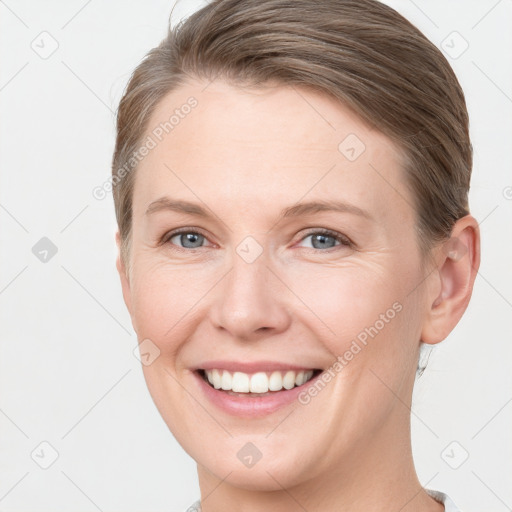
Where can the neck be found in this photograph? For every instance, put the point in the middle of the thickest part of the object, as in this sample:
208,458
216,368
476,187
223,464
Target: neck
374,475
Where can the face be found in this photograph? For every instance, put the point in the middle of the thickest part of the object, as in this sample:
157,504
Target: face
273,241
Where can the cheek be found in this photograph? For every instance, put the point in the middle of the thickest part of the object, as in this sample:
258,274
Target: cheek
350,298
166,301
165,297
364,315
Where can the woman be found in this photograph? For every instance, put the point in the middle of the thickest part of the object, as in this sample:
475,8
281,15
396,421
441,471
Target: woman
291,182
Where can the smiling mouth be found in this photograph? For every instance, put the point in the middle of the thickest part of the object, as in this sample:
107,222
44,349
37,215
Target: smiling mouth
256,384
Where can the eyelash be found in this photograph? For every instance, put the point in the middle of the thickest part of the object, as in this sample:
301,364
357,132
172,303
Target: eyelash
342,239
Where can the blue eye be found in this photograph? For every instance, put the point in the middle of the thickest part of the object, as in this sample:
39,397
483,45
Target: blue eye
326,239
187,239
321,239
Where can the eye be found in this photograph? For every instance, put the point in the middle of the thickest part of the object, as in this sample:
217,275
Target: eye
327,239
185,239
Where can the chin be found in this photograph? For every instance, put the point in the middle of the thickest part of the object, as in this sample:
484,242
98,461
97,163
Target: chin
280,464
261,477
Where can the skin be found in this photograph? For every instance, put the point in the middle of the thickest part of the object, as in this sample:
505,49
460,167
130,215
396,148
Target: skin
245,155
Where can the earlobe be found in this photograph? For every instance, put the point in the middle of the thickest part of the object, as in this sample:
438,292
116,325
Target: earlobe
458,263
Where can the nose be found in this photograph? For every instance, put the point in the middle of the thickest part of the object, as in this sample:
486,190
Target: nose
250,302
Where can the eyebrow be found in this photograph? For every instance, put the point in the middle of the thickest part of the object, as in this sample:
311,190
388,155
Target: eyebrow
312,207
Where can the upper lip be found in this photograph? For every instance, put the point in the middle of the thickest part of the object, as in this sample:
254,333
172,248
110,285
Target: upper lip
251,367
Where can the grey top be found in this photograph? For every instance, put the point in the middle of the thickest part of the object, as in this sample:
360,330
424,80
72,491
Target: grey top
449,506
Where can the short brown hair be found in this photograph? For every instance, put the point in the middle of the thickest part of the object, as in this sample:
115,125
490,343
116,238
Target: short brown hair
361,52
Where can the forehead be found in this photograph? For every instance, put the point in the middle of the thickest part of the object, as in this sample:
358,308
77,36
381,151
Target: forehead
276,144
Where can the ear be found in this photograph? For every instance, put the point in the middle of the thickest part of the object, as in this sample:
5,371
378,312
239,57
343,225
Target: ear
124,275
458,260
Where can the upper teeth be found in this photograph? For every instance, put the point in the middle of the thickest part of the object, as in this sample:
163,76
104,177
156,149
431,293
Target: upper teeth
260,382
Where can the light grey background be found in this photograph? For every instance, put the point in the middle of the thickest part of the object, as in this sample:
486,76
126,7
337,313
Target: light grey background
68,376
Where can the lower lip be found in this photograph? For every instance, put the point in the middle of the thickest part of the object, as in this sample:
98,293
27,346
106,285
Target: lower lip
251,406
